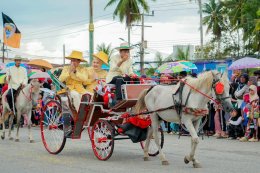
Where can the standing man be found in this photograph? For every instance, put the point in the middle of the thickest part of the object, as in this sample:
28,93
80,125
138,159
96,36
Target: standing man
16,77
74,76
120,68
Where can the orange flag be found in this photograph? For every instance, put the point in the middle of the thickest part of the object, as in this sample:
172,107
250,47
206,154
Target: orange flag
12,35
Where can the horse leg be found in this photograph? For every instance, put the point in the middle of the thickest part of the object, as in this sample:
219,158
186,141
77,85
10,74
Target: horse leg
147,143
11,121
29,114
18,125
3,124
155,124
194,142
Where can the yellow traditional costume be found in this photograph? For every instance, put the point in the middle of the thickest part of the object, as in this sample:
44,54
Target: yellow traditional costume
74,80
91,83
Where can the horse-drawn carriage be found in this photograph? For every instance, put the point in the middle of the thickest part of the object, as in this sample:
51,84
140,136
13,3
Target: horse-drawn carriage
104,124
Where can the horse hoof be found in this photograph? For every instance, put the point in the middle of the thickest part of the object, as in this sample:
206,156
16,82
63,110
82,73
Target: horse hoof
186,161
146,159
11,138
165,162
17,140
197,165
2,137
32,141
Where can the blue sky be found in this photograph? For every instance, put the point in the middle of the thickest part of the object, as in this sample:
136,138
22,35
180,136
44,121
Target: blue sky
48,24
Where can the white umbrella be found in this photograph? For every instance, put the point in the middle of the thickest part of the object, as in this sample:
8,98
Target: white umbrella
243,63
40,75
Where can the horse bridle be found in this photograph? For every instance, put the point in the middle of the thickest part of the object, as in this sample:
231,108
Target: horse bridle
218,96
30,96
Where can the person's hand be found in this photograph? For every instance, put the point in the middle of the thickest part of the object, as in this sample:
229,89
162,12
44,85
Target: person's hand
72,68
9,77
22,85
125,58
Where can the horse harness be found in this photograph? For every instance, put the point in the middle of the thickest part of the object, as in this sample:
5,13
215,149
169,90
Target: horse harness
180,107
29,98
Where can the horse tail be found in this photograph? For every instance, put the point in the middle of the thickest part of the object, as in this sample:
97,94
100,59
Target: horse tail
140,104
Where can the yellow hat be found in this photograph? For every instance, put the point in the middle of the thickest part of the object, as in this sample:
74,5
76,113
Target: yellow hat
76,55
102,56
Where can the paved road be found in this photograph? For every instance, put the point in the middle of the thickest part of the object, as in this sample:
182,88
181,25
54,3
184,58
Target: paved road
216,156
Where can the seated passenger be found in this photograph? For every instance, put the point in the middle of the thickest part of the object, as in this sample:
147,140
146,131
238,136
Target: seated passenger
95,72
74,76
120,69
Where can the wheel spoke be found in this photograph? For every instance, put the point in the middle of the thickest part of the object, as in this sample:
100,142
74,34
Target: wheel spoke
52,133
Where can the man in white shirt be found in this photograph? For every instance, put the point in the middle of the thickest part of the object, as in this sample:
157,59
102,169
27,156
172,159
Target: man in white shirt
120,69
16,77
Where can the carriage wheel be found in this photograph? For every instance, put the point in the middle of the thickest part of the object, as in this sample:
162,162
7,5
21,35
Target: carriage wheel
102,139
52,127
153,149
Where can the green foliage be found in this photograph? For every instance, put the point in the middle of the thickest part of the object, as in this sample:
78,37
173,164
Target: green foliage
183,55
238,21
105,48
127,9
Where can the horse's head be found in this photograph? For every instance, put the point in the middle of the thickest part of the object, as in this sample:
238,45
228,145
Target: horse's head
221,88
35,89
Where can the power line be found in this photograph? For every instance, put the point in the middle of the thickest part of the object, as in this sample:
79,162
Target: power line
177,9
54,36
61,26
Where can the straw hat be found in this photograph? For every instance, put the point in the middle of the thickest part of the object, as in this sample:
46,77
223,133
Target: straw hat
17,57
76,55
102,56
124,46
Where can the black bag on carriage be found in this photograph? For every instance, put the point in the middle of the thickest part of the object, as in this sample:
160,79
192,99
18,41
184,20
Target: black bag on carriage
136,134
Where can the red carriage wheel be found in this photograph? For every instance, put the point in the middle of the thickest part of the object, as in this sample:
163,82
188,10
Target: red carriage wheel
102,139
52,127
153,149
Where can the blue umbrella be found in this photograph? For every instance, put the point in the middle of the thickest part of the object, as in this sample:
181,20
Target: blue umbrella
10,64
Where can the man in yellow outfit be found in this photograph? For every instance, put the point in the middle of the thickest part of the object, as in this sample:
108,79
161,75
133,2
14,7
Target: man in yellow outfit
95,72
74,76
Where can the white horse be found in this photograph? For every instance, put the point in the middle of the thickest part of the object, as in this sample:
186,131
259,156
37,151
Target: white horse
162,97
27,97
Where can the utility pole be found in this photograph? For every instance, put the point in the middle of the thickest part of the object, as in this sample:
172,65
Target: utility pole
142,44
201,31
63,54
91,31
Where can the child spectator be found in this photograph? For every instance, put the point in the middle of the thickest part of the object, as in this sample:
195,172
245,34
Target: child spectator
38,111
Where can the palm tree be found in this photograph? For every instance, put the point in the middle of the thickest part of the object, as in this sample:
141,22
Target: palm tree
183,55
129,10
214,19
105,48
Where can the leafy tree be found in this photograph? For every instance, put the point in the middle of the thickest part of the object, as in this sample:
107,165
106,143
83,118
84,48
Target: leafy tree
105,48
214,19
128,10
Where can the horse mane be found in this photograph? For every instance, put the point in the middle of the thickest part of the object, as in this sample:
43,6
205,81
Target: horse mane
204,80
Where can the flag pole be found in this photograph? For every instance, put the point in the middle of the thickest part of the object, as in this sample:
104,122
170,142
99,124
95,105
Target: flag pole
3,57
